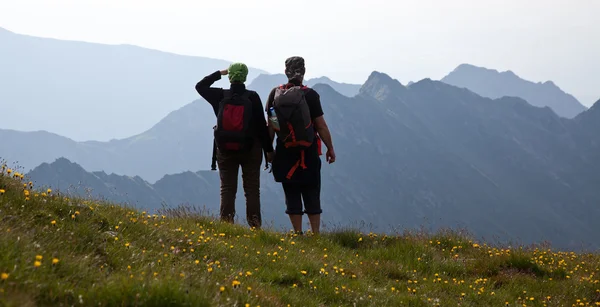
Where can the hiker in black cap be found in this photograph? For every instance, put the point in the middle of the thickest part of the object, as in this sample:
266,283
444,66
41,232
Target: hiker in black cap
296,116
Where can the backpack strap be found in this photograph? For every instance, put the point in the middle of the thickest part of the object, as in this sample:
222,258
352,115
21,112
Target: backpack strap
246,94
299,163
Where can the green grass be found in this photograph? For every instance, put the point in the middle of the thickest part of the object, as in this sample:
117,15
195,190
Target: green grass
109,255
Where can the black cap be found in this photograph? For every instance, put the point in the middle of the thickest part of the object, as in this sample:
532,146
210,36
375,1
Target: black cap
294,68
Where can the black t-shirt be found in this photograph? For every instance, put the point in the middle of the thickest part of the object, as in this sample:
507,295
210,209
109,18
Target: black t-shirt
285,159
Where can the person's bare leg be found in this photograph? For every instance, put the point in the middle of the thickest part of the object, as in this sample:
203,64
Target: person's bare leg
315,223
296,220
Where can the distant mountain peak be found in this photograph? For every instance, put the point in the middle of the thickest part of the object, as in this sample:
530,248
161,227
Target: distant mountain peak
322,78
472,68
264,83
380,86
326,89
346,89
594,110
494,84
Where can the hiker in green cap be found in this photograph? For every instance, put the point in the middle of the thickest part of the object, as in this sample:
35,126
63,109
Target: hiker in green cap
241,136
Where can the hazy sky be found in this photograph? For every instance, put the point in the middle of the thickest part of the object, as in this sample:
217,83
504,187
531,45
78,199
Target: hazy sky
345,40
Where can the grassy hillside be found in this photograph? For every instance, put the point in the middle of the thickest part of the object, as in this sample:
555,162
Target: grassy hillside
56,251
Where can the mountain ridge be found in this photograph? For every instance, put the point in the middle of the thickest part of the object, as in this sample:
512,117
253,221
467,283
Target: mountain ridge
81,84
495,84
264,83
442,154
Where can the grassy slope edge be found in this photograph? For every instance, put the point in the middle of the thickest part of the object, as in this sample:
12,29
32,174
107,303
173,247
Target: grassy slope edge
56,251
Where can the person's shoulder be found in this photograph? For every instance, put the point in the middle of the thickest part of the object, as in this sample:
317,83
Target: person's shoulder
312,94
252,94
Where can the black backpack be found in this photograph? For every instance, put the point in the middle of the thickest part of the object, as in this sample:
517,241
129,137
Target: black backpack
232,132
296,131
295,125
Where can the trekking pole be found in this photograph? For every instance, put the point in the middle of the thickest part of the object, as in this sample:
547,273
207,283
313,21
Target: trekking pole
266,161
213,166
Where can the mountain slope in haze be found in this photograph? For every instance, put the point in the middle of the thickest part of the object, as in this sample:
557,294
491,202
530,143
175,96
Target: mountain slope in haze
87,91
436,155
264,83
346,89
493,84
201,189
180,142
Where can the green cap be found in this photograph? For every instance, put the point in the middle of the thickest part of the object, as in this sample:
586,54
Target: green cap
238,72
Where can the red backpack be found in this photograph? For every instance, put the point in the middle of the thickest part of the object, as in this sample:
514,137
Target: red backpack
233,122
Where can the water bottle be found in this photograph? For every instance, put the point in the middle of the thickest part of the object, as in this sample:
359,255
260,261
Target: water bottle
273,119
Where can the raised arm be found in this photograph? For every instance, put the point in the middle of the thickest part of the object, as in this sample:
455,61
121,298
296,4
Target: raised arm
212,94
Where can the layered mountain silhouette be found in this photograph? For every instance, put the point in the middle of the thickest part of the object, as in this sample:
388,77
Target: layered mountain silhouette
180,142
435,155
198,189
493,84
87,91
264,83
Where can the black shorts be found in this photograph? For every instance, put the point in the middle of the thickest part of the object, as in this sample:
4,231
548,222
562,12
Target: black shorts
295,193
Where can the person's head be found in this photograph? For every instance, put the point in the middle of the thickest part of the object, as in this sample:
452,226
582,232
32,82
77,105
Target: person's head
237,72
294,69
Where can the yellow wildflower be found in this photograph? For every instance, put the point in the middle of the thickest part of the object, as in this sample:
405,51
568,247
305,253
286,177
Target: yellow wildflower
53,222
37,264
4,276
49,191
2,191
222,289
55,260
38,257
